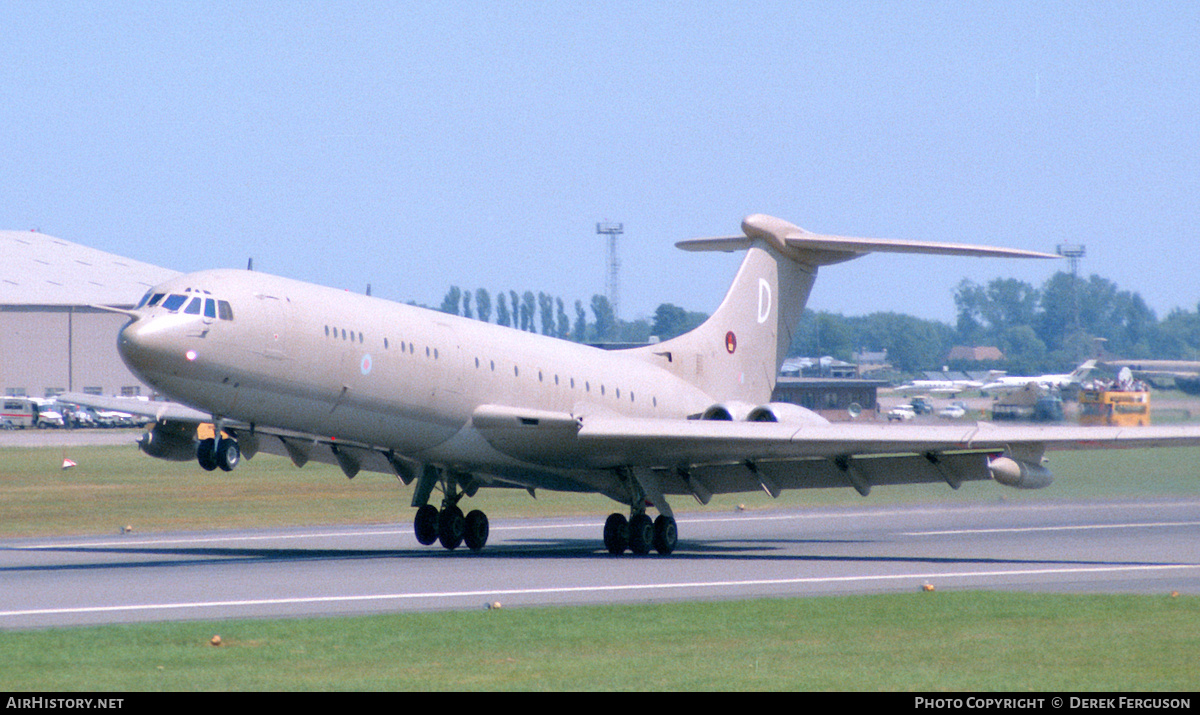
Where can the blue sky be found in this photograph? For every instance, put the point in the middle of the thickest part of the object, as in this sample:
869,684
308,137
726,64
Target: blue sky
413,146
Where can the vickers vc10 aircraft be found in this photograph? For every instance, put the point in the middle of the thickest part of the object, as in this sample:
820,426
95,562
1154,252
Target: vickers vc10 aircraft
456,405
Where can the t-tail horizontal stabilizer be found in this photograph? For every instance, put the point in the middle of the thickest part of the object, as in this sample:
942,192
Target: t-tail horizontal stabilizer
819,249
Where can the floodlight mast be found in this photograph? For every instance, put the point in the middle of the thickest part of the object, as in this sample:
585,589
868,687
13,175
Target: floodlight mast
1072,252
613,284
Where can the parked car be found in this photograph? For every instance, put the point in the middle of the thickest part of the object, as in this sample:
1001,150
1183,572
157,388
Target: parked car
49,418
953,411
901,413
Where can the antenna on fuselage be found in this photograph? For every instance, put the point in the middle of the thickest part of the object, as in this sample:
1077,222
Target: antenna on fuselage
250,263
368,289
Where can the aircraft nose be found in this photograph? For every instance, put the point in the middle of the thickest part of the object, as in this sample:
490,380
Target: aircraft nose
144,345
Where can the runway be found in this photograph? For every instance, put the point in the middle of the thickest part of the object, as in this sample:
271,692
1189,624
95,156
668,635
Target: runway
1126,547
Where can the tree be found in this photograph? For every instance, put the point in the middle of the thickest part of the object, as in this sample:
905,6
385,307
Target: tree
579,332
502,315
564,323
483,304
466,302
450,302
528,310
605,327
514,305
546,311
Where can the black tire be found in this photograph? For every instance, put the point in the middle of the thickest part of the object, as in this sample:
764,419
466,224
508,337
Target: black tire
206,454
616,534
227,454
476,533
641,534
425,525
666,534
451,527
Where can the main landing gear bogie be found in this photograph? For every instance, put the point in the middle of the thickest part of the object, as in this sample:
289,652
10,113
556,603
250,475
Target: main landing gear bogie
640,534
450,527
221,453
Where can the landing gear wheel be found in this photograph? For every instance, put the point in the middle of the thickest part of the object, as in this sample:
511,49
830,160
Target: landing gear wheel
641,534
476,533
616,534
206,454
666,535
451,527
227,454
425,525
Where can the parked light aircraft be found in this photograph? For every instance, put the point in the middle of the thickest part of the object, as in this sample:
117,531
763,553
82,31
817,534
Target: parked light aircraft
1011,383
456,405
938,387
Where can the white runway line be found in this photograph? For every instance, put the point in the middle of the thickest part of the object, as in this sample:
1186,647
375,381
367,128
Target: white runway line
483,593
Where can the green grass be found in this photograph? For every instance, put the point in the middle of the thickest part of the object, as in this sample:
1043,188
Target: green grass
922,641
115,487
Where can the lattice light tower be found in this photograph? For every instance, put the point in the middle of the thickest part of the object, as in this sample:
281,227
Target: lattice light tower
1072,252
613,284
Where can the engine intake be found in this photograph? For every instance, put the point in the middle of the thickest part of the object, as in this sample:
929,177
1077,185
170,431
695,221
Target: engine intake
172,441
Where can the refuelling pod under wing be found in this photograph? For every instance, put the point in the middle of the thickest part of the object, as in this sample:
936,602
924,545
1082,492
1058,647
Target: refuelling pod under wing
170,440
1020,473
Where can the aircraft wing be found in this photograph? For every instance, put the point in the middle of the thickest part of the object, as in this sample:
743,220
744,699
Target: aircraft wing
157,409
705,457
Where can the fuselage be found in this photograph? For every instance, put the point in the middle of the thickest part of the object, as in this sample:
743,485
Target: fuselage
277,352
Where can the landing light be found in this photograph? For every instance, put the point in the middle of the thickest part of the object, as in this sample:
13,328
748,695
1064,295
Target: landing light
190,355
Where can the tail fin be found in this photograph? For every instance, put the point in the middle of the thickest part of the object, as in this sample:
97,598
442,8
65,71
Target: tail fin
736,354
1082,371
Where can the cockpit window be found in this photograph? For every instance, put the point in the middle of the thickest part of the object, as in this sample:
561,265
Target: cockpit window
173,301
193,308
154,299
224,310
210,308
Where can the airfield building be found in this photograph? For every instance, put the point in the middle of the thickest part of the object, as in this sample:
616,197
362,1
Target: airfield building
52,338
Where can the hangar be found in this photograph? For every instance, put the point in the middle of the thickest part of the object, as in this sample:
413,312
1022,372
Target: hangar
52,338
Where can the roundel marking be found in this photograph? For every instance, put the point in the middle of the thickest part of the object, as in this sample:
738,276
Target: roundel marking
730,342
366,364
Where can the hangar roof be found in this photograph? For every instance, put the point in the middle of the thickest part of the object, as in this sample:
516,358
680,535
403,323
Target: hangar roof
36,269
